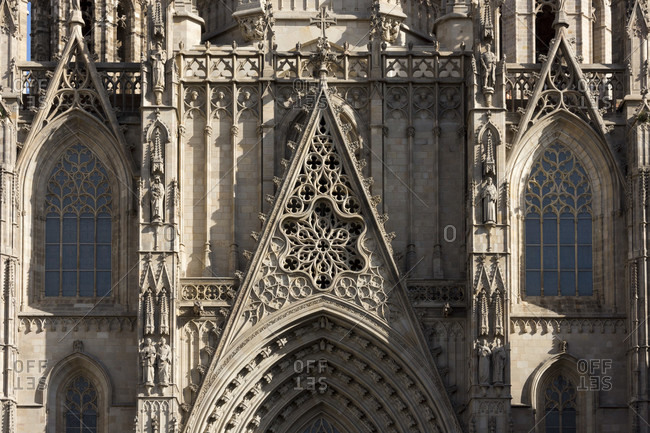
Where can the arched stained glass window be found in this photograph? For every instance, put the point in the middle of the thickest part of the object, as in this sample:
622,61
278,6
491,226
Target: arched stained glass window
558,226
78,226
560,407
80,406
321,426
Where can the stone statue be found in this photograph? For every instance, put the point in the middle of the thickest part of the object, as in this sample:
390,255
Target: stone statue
499,363
164,361
390,29
148,358
157,200
489,63
158,59
489,197
483,363
252,28
75,5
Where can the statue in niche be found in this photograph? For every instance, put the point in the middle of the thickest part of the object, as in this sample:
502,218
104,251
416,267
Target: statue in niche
489,164
489,196
75,5
484,353
157,200
164,361
489,63
148,358
158,59
499,363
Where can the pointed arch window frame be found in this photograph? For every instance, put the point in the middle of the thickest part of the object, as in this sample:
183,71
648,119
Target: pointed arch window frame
72,235
558,225
80,406
586,400
64,372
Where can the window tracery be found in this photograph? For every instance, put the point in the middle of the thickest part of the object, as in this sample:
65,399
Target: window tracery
78,209
558,226
80,408
321,426
322,234
560,406
321,241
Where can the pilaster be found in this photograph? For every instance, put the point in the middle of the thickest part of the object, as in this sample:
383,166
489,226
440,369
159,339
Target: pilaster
158,216
488,220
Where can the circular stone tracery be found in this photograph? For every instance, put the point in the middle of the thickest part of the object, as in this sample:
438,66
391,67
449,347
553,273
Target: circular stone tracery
323,245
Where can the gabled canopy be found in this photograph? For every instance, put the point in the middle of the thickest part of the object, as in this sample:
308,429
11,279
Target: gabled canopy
561,87
76,86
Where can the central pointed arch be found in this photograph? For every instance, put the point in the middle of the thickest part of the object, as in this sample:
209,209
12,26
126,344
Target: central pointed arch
322,358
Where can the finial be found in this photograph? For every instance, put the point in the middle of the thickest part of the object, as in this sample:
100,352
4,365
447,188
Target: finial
76,19
561,19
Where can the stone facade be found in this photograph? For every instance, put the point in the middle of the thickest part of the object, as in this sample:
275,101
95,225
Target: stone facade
320,216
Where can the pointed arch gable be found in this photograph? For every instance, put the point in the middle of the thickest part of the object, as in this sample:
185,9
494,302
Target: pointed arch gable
596,157
607,187
74,365
566,365
367,363
77,123
35,164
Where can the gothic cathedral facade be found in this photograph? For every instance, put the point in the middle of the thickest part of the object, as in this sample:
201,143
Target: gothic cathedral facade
341,216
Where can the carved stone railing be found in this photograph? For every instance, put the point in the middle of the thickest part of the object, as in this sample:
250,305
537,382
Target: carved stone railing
208,291
122,82
425,293
423,66
217,64
605,82
211,64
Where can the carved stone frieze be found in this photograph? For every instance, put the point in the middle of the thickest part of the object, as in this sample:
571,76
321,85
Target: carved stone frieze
535,325
27,324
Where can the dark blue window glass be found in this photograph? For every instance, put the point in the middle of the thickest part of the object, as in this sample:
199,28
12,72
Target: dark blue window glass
78,226
558,226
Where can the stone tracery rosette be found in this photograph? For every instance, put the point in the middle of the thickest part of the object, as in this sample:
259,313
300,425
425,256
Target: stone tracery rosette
321,243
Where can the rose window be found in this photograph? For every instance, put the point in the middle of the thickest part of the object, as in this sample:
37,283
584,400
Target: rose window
323,245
